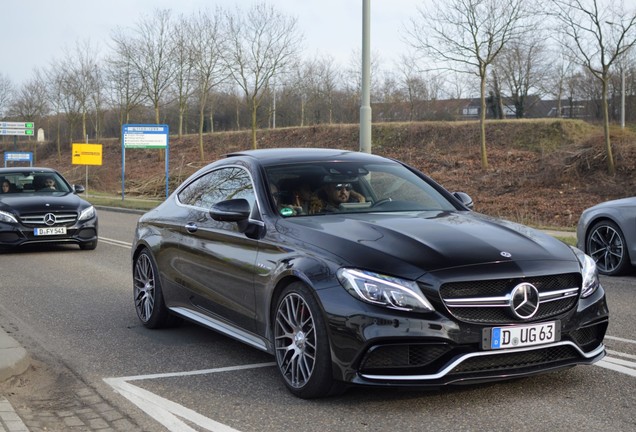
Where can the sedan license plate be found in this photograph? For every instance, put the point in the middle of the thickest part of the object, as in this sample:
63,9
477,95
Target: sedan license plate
49,231
496,338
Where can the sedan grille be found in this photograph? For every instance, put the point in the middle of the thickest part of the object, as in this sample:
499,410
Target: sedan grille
488,302
41,219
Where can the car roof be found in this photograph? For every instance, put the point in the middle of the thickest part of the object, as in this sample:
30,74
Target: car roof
296,155
6,170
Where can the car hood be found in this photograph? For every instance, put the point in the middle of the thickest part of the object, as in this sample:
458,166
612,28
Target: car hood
34,202
622,202
429,241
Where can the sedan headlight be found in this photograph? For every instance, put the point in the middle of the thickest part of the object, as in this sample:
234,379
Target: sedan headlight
589,273
7,217
383,290
87,213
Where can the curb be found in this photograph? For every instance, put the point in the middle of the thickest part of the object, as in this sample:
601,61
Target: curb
14,360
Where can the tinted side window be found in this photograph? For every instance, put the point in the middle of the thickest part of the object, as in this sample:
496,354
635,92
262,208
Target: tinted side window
219,185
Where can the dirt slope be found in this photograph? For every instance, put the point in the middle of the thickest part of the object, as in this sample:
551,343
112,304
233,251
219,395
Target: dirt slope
540,172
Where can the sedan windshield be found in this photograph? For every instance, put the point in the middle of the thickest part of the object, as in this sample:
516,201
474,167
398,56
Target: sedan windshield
345,187
32,182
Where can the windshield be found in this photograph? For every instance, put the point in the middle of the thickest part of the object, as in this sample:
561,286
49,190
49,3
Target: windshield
322,188
20,182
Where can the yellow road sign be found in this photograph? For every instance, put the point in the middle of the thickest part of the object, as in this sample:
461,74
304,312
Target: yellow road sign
87,154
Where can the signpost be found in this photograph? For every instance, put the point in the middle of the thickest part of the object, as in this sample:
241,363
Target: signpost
144,136
18,157
17,128
87,154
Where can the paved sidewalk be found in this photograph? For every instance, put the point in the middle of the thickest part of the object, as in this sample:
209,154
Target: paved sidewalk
14,360
9,420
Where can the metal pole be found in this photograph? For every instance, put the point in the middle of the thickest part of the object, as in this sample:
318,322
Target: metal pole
365,107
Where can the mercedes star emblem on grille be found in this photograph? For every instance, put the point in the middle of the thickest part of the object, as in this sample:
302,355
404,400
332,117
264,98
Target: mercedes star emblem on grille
49,219
524,300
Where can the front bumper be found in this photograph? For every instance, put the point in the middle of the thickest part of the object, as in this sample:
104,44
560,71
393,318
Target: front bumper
380,347
14,235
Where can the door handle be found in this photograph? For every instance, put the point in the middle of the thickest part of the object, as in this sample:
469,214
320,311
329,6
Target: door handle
191,227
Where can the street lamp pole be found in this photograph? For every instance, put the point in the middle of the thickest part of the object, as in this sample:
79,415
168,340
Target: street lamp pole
365,107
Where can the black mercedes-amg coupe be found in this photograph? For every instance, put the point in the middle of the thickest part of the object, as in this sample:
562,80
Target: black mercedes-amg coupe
354,269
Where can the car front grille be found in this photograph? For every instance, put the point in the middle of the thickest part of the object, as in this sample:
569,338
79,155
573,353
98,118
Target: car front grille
487,302
38,219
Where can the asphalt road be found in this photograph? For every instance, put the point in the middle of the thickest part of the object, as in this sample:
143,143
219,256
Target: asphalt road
73,310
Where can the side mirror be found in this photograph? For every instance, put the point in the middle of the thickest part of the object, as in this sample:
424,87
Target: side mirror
464,198
233,210
78,189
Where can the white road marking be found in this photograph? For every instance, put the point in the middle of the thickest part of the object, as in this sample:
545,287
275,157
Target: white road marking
620,354
617,365
167,412
620,339
115,242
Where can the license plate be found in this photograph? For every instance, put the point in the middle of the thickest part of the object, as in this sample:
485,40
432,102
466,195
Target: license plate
521,336
49,231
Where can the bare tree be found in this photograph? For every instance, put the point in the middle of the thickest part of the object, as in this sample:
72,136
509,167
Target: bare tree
262,43
150,51
467,36
183,55
599,34
206,42
6,93
30,102
557,75
124,86
522,69
81,80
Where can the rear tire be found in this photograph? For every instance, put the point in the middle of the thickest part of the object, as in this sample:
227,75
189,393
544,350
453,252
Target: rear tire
303,353
148,295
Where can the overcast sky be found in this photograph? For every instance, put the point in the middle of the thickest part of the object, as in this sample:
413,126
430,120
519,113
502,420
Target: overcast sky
36,32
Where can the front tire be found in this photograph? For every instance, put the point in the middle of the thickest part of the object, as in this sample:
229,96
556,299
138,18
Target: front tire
91,245
302,344
149,303
606,244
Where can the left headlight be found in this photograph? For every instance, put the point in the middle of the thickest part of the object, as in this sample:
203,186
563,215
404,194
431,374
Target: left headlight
588,271
383,290
87,213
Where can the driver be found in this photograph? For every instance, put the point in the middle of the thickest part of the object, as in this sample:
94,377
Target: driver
335,194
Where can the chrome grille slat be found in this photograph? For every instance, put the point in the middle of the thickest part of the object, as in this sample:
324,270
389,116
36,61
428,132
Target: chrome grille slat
488,301
37,219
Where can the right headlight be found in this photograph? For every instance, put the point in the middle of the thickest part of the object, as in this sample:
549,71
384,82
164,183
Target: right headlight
383,290
7,217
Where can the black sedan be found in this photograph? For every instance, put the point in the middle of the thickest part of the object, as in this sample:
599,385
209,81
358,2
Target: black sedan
353,269
37,205
607,232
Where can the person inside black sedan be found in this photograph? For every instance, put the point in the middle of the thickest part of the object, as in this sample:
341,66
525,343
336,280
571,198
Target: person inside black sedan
334,194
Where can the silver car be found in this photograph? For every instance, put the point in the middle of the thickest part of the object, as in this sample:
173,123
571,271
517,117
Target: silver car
607,232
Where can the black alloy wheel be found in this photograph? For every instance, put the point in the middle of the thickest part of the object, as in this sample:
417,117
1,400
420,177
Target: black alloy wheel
301,342
605,243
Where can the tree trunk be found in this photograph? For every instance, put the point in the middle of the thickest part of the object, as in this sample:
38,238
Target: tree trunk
482,121
611,169
254,106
